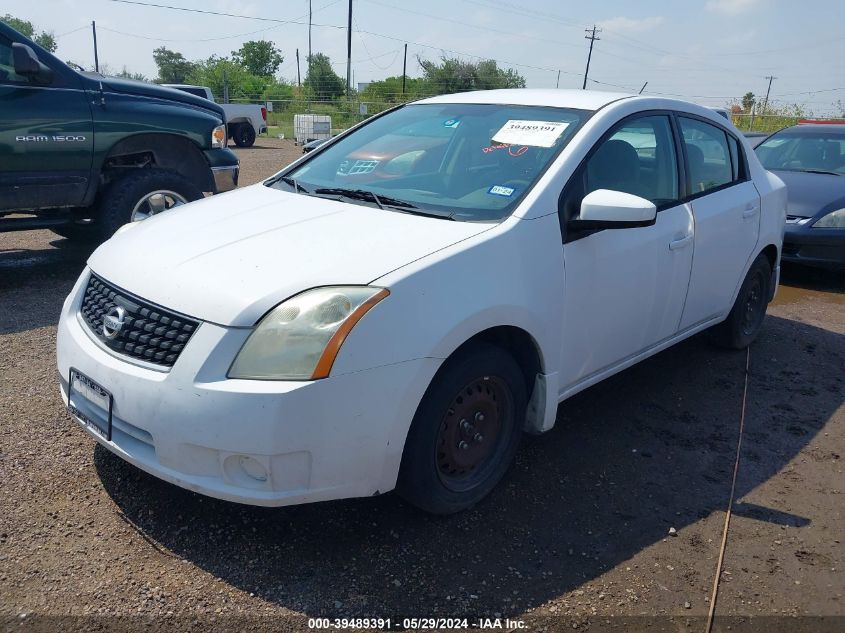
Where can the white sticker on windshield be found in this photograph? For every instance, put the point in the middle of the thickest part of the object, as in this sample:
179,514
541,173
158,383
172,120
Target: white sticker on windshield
534,133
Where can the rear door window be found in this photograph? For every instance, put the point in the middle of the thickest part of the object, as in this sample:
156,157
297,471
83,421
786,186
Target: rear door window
709,164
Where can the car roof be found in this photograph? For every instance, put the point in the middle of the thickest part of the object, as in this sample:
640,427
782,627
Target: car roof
812,129
559,98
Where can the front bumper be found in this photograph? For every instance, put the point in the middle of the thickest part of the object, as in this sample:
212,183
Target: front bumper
225,168
804,244
270,443
225,178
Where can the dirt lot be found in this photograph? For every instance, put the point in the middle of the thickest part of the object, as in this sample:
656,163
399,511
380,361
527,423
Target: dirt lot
577,535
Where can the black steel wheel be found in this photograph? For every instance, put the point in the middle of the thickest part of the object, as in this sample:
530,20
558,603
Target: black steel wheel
745,319
465,432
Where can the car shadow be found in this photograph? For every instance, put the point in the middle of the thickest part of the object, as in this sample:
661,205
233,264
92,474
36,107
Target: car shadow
811,278
649,449
35,281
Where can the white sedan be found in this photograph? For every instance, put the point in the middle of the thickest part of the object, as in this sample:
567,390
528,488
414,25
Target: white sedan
398,306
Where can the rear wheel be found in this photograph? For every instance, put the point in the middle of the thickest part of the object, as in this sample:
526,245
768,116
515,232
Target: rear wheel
465,432
745,319
244,135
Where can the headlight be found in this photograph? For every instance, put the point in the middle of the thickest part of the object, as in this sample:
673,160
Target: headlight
833,220
300,338
218,136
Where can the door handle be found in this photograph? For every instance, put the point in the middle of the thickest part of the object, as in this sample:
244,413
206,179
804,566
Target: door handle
750,210
676,244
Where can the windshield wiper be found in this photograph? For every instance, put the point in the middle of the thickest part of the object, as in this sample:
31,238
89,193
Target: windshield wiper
362,194
382,201
821,171
292,182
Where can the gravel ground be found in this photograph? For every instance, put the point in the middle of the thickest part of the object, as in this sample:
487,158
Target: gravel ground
577,535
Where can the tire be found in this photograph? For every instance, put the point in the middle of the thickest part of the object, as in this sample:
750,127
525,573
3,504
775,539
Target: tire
244,135
745,319
482,381
121,197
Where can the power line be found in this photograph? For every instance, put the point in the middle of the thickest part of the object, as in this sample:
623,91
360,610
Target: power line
84,26
221,14
472,26
215,39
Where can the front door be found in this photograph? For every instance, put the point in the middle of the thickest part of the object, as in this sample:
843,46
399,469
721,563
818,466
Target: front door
46,138
625,288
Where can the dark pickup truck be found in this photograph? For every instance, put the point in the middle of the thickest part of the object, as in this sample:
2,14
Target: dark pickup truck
82,154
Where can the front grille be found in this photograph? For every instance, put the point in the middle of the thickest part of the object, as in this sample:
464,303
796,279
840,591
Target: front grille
149,332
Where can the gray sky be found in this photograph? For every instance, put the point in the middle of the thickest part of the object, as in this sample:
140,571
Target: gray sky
709,51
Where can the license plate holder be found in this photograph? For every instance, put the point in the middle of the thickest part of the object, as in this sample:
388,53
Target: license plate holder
91,403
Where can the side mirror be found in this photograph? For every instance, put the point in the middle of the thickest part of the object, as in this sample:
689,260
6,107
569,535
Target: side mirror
27,64
606,209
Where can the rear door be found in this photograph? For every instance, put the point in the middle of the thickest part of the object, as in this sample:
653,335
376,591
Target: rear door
46,137
726,207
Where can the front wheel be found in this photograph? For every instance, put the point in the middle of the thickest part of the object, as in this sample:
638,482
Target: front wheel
745,319
465,432
141,194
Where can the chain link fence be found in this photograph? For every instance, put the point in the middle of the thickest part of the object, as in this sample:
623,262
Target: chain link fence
346,112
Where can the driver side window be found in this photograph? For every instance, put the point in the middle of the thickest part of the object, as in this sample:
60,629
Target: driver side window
7,64
638,157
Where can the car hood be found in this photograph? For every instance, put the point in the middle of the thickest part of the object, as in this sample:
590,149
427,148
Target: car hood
230,258
812,194
146,89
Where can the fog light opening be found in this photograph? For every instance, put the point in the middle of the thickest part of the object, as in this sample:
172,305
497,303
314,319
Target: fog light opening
252,468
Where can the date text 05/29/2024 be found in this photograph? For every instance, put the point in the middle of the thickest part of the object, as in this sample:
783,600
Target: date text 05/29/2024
421,624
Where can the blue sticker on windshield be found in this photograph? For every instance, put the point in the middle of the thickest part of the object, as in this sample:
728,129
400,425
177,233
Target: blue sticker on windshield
452,123
499,190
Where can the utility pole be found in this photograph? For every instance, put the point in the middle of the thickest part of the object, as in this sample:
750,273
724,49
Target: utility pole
643,88
590,35
298,76
349,51
404,69
96,57
557,84
768,90
309,35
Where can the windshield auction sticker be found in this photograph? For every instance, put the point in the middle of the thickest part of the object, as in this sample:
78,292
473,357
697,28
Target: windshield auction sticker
533,133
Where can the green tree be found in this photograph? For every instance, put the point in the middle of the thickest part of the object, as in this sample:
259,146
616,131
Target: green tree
455,75
389,90
45,39
748,101
215,72
321,80
259,57
173,68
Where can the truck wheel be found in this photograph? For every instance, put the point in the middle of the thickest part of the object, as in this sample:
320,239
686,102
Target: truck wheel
141,194
745,319
244,135
465,432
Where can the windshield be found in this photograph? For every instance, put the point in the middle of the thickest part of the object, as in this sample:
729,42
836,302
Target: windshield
791,151
470,162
